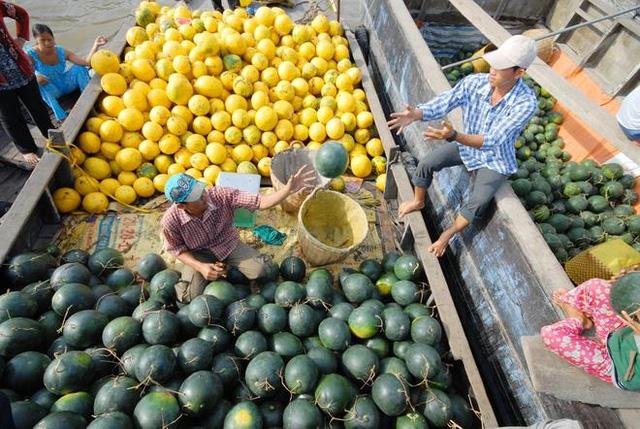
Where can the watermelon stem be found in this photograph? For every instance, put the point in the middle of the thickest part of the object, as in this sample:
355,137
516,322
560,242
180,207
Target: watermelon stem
64,318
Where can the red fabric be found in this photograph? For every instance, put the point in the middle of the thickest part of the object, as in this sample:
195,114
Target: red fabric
214,230
15,12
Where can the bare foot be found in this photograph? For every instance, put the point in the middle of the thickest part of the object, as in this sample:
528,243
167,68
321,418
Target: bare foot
409,206
31,159
570,310
440,245
558,294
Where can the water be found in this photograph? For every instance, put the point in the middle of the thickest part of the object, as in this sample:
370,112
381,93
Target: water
76,23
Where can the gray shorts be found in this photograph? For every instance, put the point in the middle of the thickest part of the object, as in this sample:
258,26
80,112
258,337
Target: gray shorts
484,184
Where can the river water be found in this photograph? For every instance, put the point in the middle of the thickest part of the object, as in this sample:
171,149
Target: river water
76,23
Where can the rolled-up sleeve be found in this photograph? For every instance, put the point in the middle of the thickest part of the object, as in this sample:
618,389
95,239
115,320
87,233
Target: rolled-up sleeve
173,242
442,104
508,127
239,199
20,15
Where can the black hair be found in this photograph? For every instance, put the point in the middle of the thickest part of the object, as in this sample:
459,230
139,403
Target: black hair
39,29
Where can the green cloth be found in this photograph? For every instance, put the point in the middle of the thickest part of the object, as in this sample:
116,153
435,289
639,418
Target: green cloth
623,350
269,235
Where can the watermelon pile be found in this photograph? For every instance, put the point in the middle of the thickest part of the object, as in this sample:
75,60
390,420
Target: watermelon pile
574,204
88,342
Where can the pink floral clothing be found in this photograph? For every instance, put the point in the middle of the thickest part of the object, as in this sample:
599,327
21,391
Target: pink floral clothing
565,338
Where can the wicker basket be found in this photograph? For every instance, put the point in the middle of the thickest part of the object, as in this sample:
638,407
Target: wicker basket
284,165
545,46
330,226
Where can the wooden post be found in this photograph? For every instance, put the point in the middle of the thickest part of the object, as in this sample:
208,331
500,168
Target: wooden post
64,173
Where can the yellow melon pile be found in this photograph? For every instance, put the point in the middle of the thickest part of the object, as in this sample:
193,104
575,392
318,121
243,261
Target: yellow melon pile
208,92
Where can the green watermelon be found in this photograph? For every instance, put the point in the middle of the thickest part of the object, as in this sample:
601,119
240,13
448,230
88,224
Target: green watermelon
391,394
113,306
334,334
200,392
613,226
272,318
249,344
272,412
114,420
121,334
331,160
75,255
301,375
412,421
357,288
23,373
423,361
227,367
117,394
61,420
239,317
407,267
69,372
244,415
268,291
379,345
288,293
341,311
396,324
195,354
319,292
435,405
147,307
80,403
256,301
84,328
71,298
364,322
130,359
612,171
223,290
427,330
360,363
334,394
363,414
302,321
28,268
263,374
105,260
157,410
17,304
324,359
149,265
161,327
156,363
302,414
286,344
396,366
625,293
120,278
293,269
20,334
72,272
163,283
205,310
416,310
461,411
371,268
385,283
26,414
405,292
218,337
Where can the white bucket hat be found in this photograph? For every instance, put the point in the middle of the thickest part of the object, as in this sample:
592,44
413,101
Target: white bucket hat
518,51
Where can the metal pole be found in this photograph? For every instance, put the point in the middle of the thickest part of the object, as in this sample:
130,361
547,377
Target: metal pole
554,33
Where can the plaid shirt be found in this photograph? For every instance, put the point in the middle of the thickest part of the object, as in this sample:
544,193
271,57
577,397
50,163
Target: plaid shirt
214,230
499,124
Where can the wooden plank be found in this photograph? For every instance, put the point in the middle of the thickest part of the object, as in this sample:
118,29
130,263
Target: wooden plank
586,109
25,207
449,317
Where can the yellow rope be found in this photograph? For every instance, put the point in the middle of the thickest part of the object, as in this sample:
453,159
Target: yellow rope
58,150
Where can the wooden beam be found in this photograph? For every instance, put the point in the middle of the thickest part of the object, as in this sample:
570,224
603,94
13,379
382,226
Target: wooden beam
586,109
417,230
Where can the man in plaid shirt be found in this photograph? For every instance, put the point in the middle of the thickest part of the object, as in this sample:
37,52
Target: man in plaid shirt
198,229
495,109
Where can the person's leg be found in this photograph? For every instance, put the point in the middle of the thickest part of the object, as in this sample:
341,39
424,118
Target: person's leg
483,187
15,126
78,76
32,99
591,298
50,94
192,283
564,338
445,156
248,261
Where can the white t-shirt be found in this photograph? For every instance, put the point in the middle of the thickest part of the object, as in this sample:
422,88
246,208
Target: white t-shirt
629,114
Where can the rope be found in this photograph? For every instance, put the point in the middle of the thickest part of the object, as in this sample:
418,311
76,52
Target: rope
58,150
312,11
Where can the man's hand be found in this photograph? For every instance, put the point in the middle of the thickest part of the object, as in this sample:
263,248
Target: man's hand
99,42
42,79
213,271
303,178
442,133
401,120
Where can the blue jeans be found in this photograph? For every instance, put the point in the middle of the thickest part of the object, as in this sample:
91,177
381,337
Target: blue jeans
631,134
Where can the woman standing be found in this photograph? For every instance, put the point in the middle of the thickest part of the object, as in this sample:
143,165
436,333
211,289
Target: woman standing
18,83
50,62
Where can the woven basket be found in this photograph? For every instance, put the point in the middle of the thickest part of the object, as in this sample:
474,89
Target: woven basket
330,226
545,46
283,166
602,261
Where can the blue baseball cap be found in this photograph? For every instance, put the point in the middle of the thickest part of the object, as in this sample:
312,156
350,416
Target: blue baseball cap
182,188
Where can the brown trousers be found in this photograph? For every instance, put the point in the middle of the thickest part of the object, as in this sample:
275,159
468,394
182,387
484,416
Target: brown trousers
245,258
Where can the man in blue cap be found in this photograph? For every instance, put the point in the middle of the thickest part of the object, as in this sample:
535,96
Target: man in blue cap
198,229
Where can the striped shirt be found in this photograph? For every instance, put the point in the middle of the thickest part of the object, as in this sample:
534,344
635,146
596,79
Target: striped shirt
499,124
213,230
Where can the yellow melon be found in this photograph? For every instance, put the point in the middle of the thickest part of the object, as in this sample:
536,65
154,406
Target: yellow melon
95,202
105,61
129,159
66,199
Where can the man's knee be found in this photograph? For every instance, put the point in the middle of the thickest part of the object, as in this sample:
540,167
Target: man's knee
423,174
253,268
190,285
